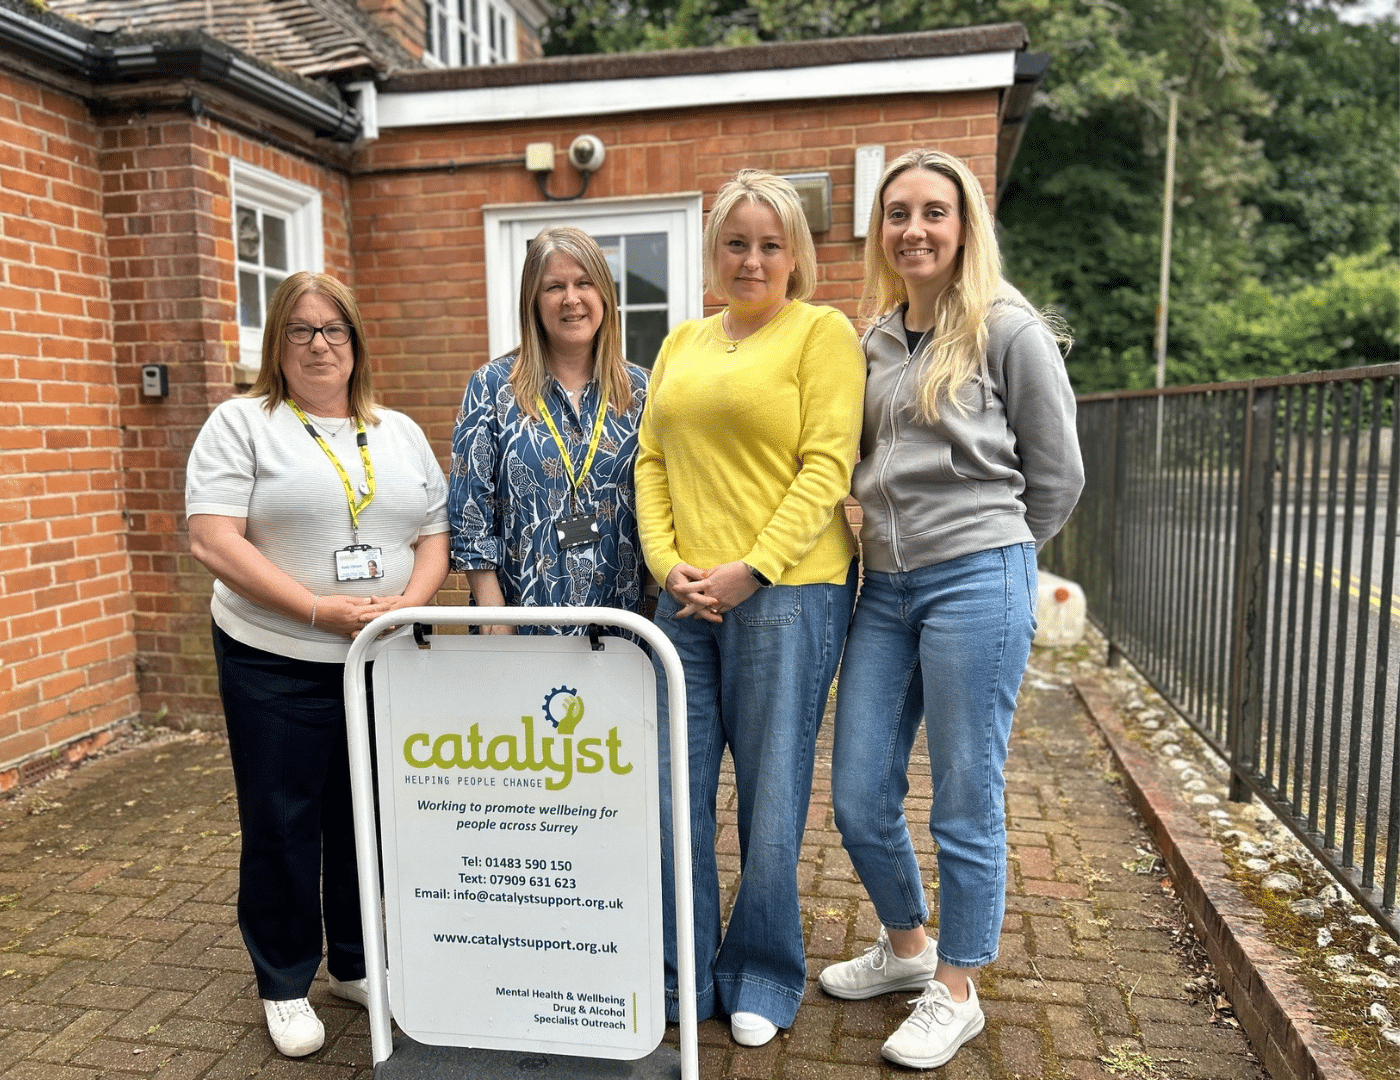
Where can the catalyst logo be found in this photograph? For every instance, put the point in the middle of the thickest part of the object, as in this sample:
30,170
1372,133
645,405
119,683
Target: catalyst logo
561,755
563,708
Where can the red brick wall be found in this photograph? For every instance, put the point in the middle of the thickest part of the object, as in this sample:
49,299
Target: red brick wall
527,43
169,211
402,19
67,648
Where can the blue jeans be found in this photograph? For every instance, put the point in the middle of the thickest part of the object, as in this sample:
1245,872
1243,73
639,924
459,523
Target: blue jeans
756,683
952,640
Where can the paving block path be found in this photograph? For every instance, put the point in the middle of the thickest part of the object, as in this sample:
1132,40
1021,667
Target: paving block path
120,956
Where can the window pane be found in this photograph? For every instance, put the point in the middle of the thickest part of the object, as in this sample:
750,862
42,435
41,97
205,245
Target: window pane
646,268
249,239
611,247
428,22
249,300
270,284
643,333
274,241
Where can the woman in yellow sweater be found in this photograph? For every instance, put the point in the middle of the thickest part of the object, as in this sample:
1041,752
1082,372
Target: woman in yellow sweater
745,457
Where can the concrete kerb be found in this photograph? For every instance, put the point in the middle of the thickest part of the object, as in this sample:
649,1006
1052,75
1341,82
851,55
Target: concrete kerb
1272,1006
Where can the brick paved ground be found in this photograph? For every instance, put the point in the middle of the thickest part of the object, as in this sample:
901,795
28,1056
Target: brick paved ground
119,956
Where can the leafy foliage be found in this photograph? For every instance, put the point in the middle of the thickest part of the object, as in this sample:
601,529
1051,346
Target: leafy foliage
1285,254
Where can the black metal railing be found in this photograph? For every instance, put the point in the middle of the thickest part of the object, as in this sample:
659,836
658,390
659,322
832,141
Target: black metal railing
1236,542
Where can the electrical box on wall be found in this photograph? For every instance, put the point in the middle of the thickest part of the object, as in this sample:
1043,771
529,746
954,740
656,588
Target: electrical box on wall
155,380
814,189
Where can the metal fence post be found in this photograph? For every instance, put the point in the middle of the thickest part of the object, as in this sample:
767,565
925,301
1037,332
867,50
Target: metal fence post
1111,603
1248,635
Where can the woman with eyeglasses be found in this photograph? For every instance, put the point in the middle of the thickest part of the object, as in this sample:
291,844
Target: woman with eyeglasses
316,511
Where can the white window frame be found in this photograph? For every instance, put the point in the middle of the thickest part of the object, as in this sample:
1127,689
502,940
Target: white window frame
451,33
509,227
300,206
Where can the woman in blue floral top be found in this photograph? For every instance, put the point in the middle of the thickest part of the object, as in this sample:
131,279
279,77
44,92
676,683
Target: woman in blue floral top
541,506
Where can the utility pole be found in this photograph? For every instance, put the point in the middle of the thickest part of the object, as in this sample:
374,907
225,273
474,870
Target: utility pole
1160,336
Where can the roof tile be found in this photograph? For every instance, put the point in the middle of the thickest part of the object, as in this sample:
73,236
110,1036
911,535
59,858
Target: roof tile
313,38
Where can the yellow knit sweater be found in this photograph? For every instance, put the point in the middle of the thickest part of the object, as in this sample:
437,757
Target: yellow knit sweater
747,455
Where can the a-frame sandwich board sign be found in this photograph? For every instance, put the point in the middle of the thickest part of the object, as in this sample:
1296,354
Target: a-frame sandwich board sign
517,821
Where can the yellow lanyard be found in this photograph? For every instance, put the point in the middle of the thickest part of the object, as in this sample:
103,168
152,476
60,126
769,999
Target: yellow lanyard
362,440
576,481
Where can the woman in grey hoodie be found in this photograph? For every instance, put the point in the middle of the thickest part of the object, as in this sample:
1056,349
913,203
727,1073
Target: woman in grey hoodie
969,462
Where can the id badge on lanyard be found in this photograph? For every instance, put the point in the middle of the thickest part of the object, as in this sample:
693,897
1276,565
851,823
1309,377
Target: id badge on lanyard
580,527
357,561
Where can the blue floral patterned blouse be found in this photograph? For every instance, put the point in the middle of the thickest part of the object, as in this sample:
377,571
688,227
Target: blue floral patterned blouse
508,486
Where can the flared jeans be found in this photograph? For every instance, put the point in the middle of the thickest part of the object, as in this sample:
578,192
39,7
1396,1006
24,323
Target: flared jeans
757,684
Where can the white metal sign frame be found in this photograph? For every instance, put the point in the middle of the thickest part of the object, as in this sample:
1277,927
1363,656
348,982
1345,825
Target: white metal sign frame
362,790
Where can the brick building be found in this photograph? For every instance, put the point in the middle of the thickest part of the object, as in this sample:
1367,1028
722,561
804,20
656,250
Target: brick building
162,166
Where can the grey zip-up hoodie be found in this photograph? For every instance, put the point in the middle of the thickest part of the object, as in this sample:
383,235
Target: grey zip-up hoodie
1006,472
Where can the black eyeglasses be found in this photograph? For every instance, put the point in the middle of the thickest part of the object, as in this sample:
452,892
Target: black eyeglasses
335,333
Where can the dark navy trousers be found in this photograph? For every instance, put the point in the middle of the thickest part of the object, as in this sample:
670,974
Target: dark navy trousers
286,734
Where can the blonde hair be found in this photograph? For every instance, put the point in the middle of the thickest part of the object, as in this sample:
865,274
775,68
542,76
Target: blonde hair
773,191
271,383
959,346
530,372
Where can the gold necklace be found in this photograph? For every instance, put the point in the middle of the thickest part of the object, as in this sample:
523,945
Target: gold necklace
724,331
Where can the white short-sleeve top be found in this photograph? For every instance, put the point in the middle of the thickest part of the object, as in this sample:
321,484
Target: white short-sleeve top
267,468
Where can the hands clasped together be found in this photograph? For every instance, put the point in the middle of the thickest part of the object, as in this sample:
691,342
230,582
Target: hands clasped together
348,615
710,593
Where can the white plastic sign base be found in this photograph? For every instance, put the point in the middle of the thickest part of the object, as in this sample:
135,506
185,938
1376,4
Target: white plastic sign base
521,845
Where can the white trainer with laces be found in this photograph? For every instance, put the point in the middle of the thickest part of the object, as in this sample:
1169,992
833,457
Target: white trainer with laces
295,1028
936,1029
879,971
356,990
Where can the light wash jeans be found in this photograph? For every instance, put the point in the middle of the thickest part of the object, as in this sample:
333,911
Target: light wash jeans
949,641
756,683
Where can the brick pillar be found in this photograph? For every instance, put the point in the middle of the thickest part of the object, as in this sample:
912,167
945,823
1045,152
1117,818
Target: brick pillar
166,207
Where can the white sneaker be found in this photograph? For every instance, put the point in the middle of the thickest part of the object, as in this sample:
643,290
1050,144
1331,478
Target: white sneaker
750,1029
295,1029
879,971
936,1028
356,990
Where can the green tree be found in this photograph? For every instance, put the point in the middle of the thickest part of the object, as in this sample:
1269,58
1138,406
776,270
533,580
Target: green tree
1348,317
1332,137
